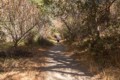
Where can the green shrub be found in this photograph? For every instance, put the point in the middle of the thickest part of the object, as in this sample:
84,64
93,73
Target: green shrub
30,39
44,42
15,53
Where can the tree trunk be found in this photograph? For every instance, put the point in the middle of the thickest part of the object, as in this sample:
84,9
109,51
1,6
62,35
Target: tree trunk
15,44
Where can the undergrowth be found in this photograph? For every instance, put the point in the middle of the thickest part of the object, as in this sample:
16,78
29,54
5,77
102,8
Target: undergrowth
102,58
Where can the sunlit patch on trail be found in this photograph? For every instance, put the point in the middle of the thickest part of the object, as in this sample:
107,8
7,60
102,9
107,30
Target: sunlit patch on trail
54,51
40,49
63,67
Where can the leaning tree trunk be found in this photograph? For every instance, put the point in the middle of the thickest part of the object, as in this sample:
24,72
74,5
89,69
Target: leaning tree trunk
15,45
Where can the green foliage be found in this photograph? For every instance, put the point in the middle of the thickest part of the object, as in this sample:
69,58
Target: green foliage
30,39
2,37
15,53
44,42
47,2
39,2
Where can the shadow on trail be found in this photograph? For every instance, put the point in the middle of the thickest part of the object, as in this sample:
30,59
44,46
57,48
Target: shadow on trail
57,61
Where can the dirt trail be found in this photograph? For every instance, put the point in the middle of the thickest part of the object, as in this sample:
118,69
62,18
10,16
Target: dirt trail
50,64
61,67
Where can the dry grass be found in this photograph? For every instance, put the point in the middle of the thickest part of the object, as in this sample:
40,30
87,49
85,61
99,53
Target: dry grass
111,74
104,68
23,68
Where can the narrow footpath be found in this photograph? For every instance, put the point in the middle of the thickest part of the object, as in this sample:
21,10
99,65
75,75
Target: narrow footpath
62,67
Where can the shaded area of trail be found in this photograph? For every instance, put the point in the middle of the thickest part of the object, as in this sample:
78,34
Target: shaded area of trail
46,64
61,67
